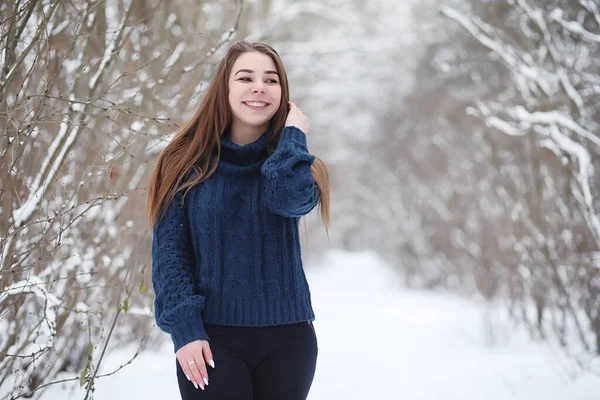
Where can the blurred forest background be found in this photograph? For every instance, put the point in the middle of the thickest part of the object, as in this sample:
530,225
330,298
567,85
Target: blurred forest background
460,137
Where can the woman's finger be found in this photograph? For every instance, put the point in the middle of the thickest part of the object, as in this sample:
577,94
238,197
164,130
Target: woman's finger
187,370
208,354
201,372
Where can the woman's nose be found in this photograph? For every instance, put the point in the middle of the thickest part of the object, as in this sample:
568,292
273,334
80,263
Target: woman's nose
258,89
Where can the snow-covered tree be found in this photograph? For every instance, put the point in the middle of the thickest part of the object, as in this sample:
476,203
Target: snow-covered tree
87,93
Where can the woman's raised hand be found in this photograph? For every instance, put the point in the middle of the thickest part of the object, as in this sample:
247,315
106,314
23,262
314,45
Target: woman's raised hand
297,119
191,358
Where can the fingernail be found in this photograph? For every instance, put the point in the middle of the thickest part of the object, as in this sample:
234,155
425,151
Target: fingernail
186,375
195,385
206,381
202,386
212,363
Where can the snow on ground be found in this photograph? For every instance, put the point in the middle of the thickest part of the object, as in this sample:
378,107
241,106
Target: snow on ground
378,340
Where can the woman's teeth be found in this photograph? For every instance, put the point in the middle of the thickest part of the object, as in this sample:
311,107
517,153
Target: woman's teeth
255,104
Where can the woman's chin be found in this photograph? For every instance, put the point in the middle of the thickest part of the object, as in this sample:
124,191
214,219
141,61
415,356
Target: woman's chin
256,122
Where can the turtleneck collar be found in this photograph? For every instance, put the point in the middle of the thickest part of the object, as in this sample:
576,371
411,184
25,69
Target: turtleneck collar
235,157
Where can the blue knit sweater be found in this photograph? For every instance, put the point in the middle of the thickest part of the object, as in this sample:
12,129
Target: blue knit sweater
230,253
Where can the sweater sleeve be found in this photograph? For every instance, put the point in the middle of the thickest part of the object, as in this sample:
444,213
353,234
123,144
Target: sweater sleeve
290,188
178,305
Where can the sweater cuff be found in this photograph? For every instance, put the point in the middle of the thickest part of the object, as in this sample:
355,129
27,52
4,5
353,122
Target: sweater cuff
188,331
293,134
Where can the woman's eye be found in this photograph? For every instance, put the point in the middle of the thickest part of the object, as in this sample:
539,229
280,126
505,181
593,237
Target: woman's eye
247,79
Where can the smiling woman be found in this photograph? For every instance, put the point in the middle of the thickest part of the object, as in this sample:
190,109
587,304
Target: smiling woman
224,201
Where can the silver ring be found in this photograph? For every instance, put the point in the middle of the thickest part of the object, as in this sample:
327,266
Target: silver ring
191,362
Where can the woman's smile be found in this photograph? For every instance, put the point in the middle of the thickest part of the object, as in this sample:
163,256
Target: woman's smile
256,105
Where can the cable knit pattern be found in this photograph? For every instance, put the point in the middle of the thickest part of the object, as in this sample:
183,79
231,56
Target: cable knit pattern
177,301
230,254
291,190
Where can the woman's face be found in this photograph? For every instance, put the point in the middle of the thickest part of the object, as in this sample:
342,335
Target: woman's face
254,91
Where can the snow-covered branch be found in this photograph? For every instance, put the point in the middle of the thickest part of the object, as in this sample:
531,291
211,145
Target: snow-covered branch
35,286
574,27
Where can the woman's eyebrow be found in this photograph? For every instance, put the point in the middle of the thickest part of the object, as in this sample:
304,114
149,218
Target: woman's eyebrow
251,71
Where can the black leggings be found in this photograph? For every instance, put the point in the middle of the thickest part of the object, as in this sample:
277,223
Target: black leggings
259,363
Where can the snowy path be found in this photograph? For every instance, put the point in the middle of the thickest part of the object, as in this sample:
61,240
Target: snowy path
378,341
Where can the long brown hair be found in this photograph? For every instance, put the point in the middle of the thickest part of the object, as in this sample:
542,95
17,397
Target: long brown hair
191,148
